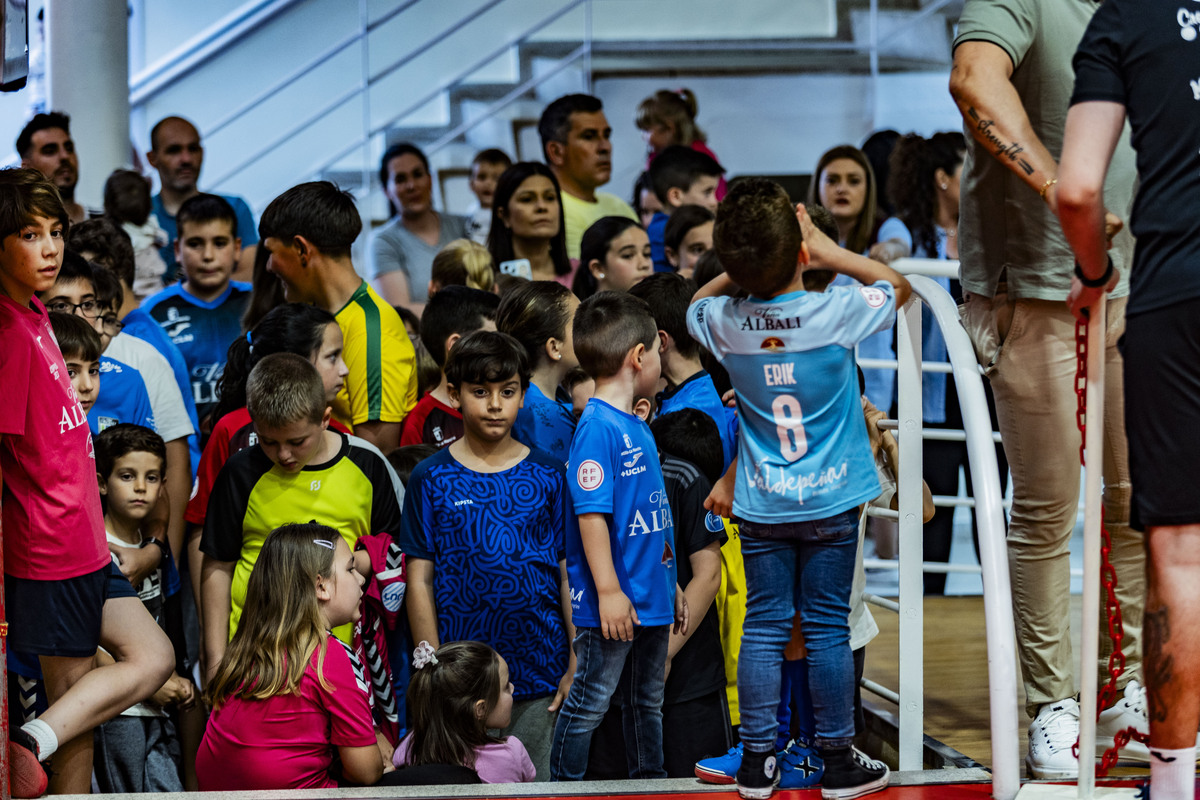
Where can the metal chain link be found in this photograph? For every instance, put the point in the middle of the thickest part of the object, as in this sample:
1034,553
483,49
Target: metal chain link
1108,575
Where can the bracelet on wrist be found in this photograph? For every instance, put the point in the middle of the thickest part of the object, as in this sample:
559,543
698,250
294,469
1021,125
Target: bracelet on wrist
1095,283
161,546
1046,187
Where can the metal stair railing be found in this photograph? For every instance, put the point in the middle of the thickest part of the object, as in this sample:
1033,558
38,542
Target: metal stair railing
988,504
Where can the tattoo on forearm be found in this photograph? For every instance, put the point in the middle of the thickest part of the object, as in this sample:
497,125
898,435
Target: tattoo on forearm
1158,665
1011,150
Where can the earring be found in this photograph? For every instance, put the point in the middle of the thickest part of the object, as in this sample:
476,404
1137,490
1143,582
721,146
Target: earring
945,186
599,274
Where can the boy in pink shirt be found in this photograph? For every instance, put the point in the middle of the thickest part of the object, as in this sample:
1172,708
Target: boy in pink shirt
63,595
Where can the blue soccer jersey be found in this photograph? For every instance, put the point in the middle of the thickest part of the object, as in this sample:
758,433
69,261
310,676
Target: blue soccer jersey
545,424
614,470
495,540
203,332
140,325
803,451
122,398
699,392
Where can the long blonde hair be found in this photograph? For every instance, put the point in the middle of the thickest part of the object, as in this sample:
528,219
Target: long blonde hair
282,623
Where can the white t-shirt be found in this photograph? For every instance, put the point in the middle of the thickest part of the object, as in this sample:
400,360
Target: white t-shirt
170,415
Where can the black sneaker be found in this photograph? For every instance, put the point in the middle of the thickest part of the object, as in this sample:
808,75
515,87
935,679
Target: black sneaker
758,775
850,774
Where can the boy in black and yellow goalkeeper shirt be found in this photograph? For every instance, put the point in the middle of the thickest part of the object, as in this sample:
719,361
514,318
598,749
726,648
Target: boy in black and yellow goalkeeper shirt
300,472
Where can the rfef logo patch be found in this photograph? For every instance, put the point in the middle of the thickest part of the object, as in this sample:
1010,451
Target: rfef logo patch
875,297
589,475
713,522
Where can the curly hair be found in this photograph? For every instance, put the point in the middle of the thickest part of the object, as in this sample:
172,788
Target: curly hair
911,188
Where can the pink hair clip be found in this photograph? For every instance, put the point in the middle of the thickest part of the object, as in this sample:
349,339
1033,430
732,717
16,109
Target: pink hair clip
423,655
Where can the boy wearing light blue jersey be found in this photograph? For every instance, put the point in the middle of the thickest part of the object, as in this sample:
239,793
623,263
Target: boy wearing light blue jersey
804,463
621,556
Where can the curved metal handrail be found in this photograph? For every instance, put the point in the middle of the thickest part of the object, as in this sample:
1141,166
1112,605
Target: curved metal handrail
997,593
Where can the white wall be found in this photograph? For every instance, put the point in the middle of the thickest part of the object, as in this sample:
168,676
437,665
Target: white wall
780,124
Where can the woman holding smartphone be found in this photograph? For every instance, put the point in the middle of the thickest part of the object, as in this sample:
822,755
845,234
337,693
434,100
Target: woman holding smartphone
528,236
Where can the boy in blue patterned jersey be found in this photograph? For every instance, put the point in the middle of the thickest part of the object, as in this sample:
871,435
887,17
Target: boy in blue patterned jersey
804,463
621,557
203,315
483,533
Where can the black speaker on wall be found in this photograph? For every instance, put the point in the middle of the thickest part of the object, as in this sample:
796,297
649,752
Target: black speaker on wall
14,44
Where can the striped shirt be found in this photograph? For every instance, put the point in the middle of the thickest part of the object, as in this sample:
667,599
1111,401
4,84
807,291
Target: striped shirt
382,384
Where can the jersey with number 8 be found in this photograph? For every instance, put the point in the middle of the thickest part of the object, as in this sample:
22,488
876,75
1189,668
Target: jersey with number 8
803,451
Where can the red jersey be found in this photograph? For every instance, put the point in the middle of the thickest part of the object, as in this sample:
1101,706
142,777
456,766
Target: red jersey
52,520
432,422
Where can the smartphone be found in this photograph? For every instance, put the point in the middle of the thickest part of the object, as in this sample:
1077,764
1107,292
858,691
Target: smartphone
519,267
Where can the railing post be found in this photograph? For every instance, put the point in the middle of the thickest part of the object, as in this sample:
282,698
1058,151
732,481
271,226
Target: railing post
912,588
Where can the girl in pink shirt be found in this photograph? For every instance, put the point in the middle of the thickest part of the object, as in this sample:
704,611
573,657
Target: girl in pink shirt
289,700
457,694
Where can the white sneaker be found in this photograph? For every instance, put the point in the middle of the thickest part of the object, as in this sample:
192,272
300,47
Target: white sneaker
1127,712
1052,735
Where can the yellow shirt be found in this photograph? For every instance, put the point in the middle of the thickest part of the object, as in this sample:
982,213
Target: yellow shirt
580,215
382,384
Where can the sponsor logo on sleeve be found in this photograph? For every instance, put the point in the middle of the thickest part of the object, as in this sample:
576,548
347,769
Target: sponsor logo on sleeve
590,475
875,297
713,522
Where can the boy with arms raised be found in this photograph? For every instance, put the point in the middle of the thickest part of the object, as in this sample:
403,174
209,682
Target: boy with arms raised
203,314
497,578
621,558
64,595
804,464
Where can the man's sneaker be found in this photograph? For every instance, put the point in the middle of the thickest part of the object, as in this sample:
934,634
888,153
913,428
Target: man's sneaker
26,778
720,769
1127,712
1052,735
849,773
800,766
758,775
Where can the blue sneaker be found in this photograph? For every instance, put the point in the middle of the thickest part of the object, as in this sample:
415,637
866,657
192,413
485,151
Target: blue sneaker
800,766
720,769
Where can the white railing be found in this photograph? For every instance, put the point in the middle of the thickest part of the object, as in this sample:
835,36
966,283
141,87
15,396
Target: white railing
988,505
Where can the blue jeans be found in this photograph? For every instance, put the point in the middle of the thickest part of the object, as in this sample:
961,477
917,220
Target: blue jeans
633,672
810,566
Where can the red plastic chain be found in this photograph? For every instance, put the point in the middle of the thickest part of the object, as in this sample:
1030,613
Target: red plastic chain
1108,575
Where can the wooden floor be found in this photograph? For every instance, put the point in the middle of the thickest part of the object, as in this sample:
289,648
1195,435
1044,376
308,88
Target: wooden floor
956,703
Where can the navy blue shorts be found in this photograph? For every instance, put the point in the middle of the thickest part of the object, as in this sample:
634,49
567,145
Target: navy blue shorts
61,618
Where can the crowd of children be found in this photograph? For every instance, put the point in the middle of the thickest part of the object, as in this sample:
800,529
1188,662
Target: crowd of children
487,534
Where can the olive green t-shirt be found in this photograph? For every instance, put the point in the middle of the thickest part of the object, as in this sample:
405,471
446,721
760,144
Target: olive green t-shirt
1006,231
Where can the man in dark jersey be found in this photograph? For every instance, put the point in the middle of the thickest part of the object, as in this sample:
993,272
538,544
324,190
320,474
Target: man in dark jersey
1142,59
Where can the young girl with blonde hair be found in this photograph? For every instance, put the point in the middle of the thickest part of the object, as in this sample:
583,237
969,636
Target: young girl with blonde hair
291,704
